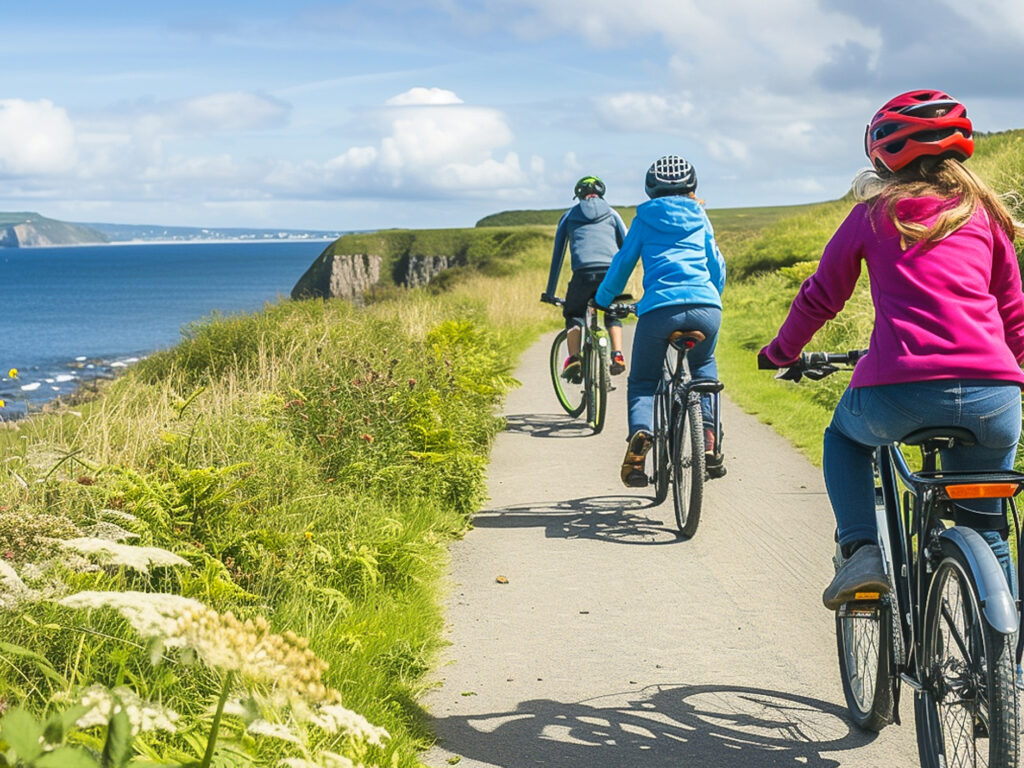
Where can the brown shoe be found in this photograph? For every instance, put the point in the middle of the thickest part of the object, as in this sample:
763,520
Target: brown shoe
633,474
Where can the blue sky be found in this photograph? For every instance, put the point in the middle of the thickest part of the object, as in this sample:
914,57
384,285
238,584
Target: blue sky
388,113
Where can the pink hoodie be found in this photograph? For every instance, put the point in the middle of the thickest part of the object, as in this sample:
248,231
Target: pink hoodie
950,310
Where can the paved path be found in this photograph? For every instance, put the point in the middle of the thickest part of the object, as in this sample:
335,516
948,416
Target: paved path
614,644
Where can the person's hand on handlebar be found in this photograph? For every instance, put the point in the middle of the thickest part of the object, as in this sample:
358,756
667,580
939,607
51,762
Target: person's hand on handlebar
790,372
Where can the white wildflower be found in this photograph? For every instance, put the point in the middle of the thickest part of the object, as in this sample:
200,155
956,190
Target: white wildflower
274,730
12,588
299,762
112,553
109,532
143,715
284,662
334,718
151,614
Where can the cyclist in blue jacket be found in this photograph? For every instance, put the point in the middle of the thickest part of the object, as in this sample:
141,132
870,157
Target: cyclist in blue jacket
684,275
594,231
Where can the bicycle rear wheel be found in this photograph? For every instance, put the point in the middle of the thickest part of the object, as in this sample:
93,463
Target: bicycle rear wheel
687,440
968,712
864,641
570,396
595,380
660,451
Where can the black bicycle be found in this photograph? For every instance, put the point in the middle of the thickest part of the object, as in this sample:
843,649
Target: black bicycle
677,457
948,627
589,391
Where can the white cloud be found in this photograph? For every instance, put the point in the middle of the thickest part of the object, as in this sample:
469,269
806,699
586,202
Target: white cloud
638,111
231,111
432,142
421,95
36,137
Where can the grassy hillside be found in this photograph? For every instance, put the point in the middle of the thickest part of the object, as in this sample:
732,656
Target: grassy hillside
51,231
306,466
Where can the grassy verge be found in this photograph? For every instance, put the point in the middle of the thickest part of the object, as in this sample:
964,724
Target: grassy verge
307,464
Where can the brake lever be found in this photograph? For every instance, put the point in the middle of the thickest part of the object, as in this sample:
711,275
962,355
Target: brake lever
789,374
819,373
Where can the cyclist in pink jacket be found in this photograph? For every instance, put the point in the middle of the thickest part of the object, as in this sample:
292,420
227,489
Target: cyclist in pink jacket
948,338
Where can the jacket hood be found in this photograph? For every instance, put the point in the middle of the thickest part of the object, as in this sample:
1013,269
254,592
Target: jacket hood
672,213
595,208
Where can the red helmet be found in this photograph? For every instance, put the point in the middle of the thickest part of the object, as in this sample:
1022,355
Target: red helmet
918,124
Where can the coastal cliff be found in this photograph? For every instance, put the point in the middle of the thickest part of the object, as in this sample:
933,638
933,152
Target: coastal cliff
29,230
356,266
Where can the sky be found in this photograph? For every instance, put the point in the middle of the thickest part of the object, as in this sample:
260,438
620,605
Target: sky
391,113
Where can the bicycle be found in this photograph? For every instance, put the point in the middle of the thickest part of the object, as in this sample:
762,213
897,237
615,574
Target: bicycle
948,627
678,452
590,392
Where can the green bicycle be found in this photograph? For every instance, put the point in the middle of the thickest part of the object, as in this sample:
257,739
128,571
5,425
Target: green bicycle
589,391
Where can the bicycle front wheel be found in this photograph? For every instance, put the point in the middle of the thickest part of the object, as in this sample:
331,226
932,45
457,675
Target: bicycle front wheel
660,451
569,395
595,379
687,441
864,641
968,713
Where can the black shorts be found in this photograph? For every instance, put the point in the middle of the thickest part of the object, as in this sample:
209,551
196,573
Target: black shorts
582,287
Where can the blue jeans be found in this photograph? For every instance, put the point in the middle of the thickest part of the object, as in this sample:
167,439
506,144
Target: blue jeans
867,417
650,340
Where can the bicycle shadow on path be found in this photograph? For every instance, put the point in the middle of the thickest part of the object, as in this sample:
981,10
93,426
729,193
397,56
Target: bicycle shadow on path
616,519
547,425
664,726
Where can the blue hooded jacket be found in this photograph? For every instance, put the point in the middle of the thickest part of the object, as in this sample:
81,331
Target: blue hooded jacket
593,230
682,263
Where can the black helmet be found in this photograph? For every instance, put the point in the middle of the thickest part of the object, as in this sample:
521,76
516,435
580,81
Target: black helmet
589,185
670,175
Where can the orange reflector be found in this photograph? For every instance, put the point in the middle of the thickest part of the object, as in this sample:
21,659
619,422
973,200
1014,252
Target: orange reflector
866,595
982,490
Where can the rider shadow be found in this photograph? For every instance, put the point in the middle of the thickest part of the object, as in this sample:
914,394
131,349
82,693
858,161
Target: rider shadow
674,726
616,519
556,425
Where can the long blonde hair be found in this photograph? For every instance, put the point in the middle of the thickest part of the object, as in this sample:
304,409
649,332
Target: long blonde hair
947,179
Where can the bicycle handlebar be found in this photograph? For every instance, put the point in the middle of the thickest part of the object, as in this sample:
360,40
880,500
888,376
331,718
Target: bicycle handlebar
813,365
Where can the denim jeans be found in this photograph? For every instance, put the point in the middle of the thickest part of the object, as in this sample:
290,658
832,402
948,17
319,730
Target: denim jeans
650,340
867,417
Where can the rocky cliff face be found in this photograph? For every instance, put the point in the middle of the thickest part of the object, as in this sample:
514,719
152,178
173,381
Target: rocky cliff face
24,236
351,276
28,230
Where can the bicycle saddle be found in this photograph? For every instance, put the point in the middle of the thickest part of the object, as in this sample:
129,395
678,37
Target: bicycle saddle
685,339
958,434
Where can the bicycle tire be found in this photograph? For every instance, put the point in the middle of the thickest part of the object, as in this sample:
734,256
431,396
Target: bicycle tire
687,438
660,451
595,367
570,396
864,644
969,703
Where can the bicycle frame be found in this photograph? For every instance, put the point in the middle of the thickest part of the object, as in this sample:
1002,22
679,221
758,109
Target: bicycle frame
917,517
677,386
919,548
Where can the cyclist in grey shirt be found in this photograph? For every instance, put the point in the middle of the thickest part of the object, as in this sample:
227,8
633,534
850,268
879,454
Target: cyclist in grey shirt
594,232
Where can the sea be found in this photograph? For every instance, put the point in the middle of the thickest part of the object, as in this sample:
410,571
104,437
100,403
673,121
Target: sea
71,315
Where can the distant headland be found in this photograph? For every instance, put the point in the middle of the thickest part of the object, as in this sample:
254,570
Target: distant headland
32,230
